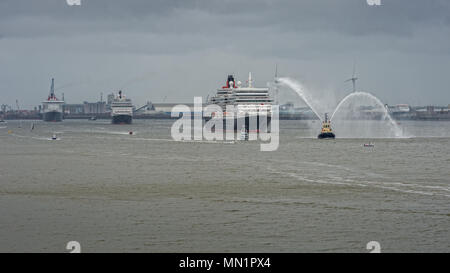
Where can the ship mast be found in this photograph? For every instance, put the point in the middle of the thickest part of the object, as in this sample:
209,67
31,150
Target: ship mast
52,88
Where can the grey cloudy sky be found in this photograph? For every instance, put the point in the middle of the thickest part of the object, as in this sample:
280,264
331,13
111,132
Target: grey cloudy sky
184,48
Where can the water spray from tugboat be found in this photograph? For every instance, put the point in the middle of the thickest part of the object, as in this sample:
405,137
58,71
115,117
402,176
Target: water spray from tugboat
386,116
301,91
354,97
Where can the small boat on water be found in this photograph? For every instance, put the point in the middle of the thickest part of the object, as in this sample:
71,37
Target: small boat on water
326,131
54,137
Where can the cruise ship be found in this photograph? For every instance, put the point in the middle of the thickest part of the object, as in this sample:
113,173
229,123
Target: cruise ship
53,107
121,110
248,101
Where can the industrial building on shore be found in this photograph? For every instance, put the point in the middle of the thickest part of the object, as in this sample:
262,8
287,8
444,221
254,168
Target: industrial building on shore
102,110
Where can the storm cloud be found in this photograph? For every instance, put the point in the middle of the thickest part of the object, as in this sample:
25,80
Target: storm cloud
180,49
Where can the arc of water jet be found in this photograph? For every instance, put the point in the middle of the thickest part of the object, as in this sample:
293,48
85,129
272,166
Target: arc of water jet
298,88
397,131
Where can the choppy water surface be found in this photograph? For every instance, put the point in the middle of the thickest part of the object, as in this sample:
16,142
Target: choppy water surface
116,192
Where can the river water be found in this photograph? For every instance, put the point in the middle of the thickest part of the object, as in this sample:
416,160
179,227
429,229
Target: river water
115,192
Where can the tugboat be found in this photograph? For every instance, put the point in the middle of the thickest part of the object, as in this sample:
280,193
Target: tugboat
326,131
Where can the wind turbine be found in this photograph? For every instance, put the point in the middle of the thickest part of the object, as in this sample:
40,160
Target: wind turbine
353,78
276,74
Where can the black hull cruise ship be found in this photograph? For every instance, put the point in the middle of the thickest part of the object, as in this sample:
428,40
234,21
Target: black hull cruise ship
53,116
52,108
122,119
250,105
121,110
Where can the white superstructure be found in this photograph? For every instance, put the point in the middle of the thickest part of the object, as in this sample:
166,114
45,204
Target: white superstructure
247,100
121,109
